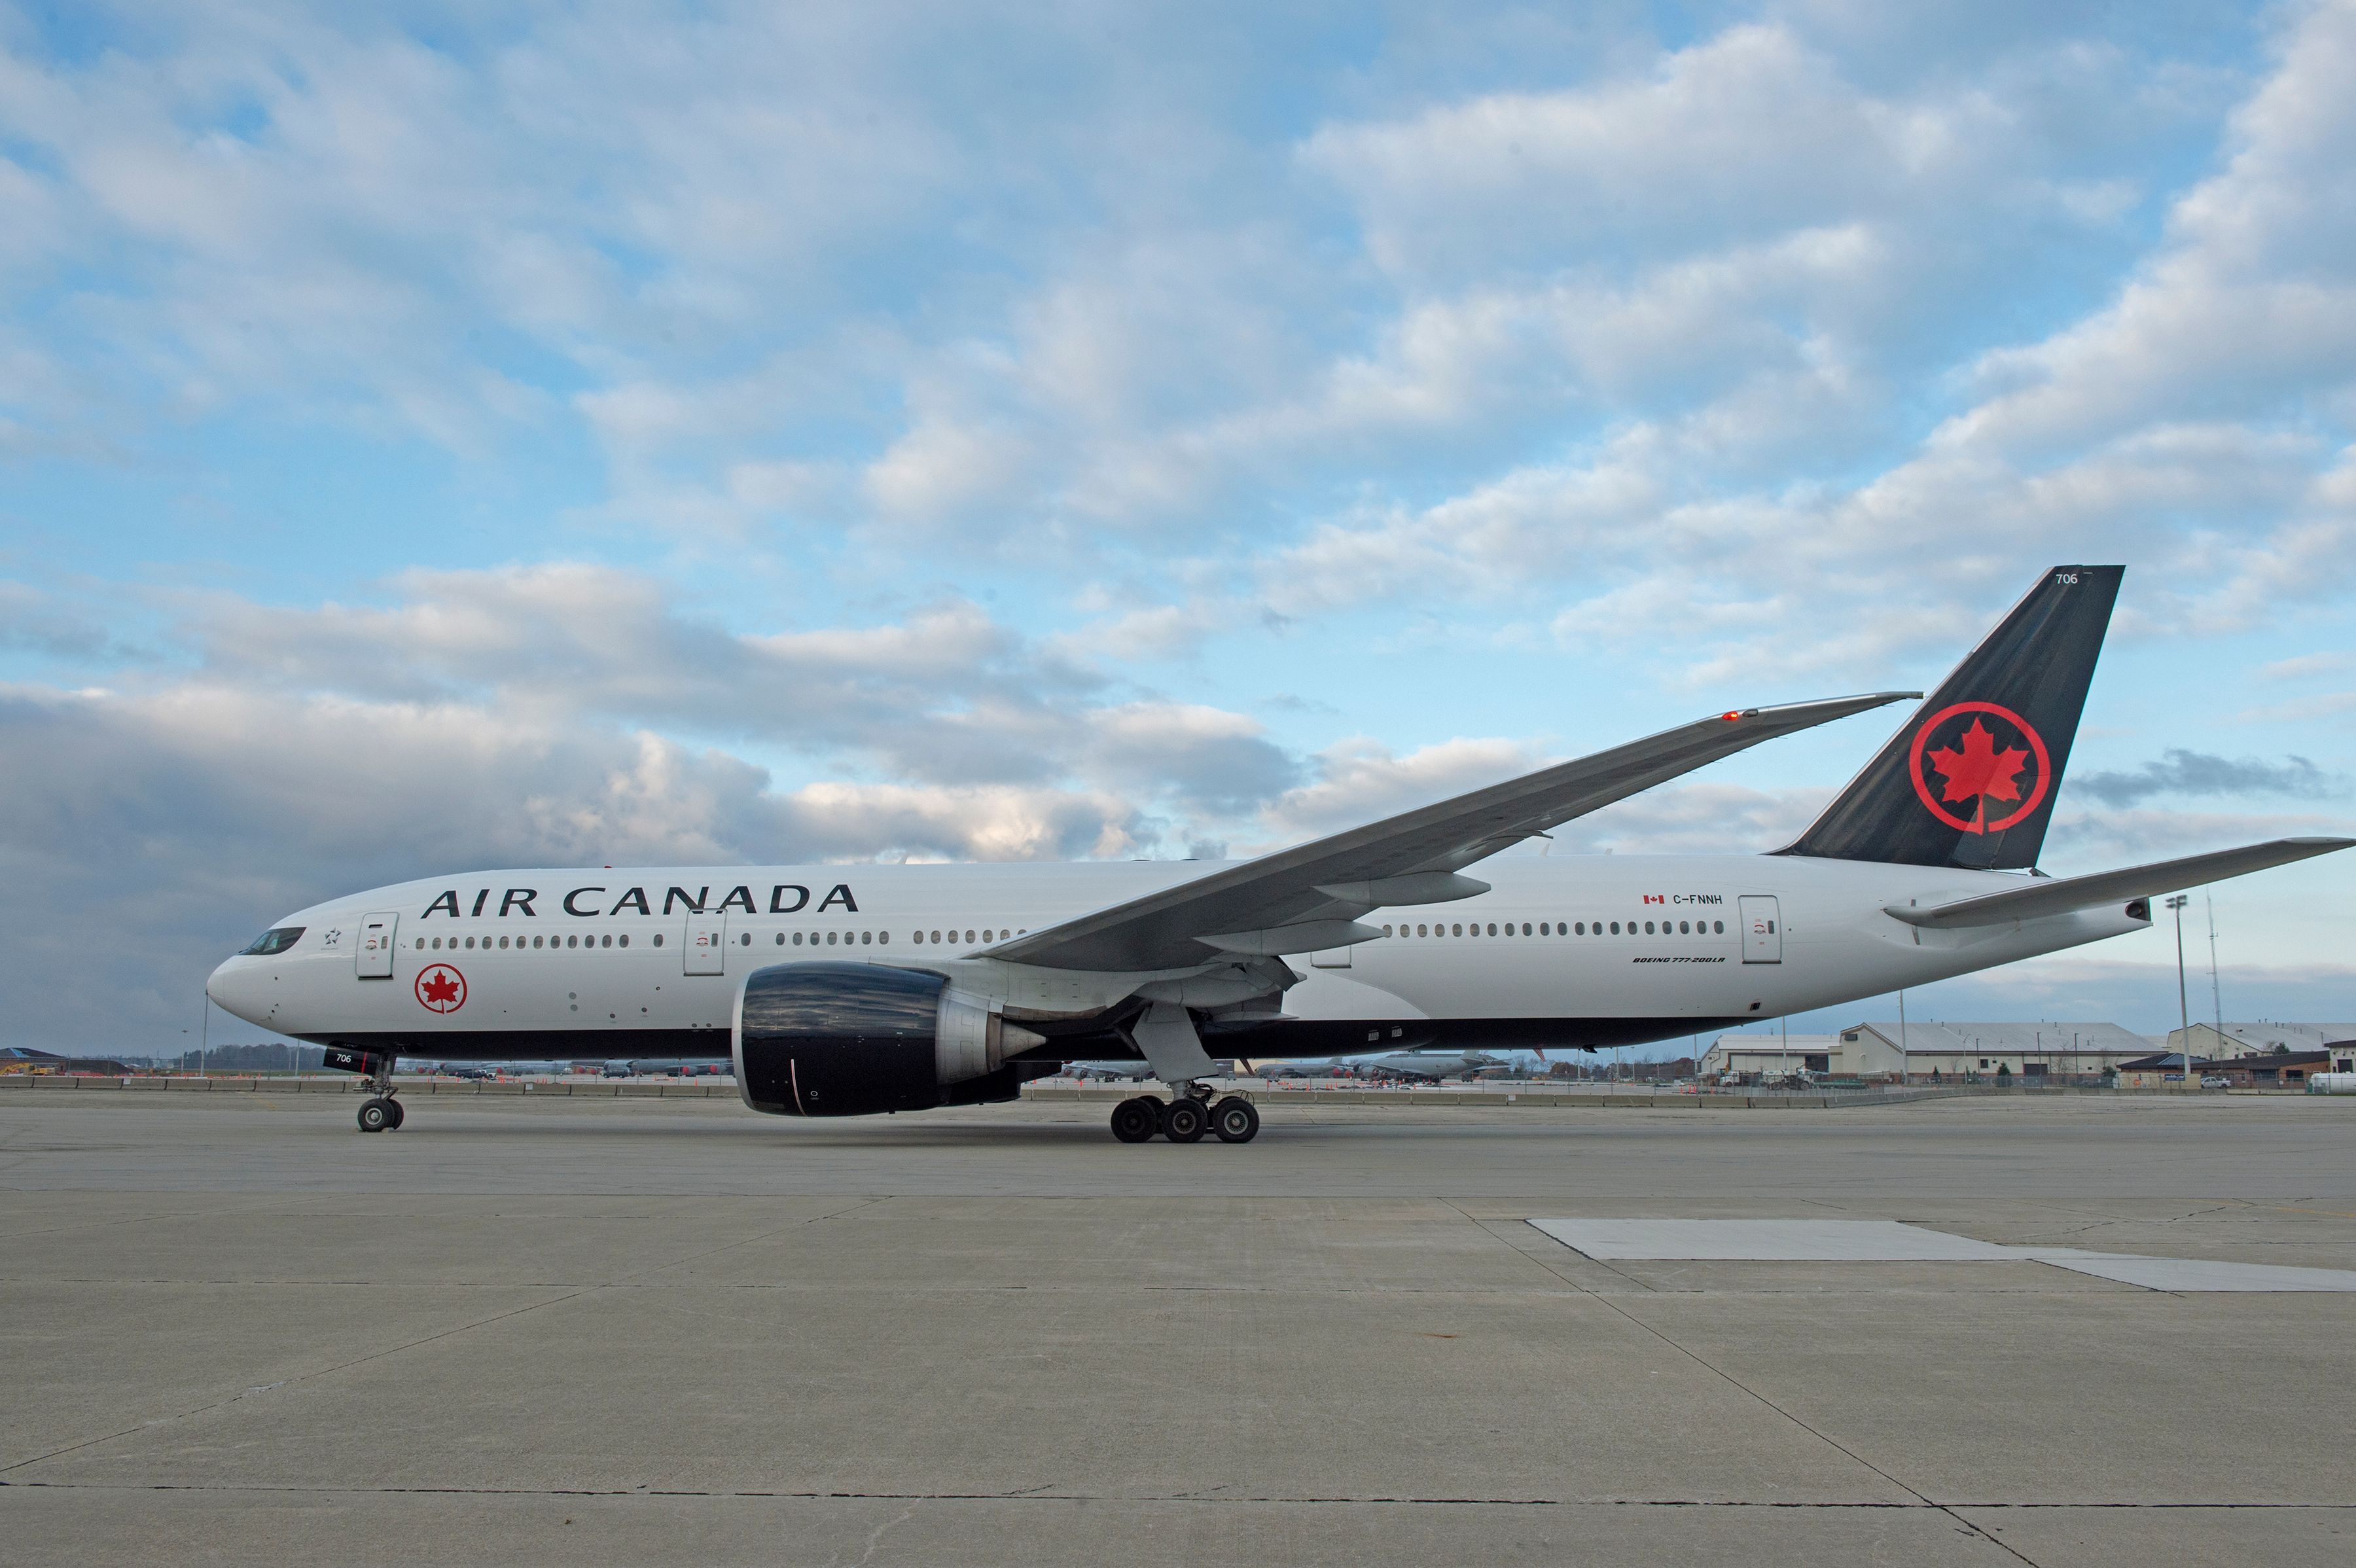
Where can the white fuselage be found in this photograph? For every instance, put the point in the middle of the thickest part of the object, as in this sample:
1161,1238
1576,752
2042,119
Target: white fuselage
600,962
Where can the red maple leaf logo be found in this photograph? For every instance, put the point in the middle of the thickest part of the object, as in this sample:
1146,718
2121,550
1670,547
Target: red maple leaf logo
439,988
1979,769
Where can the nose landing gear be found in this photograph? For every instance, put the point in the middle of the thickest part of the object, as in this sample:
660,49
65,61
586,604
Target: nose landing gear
1186,1118
380,1112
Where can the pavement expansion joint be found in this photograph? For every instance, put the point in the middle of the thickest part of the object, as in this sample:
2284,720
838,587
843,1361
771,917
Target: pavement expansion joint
1892,1241
1212,1497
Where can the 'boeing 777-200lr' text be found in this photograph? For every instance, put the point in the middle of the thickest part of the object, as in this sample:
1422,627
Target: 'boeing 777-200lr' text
842,991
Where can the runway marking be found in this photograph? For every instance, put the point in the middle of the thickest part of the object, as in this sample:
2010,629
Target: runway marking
1891,1241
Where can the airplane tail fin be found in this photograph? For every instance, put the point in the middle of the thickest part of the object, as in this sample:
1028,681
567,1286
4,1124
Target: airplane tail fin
1970,781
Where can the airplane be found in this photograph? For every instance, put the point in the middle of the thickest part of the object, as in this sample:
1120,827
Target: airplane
1423,1066
1321,1067
907,987
1121,1072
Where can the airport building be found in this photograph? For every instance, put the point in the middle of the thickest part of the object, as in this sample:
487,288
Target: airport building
1889,1052
1747,1056
2267,1038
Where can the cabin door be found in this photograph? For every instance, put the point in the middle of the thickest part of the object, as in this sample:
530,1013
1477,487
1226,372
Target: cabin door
704,943
373,952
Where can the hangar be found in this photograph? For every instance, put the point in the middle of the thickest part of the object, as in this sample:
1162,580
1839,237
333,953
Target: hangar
2221,1042
1889,1051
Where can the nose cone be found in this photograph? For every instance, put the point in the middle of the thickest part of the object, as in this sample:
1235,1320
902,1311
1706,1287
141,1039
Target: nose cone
232,988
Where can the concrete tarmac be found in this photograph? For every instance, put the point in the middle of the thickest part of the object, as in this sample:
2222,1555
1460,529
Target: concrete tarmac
236,1329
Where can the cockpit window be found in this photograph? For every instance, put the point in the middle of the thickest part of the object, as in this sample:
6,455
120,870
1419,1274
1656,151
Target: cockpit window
271,941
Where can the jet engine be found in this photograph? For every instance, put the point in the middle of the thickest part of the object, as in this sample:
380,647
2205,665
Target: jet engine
853,1039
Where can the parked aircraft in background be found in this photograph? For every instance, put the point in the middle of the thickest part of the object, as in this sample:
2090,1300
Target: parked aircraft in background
1417,1066
1112,1071
1319,1067
839,991
1425,1067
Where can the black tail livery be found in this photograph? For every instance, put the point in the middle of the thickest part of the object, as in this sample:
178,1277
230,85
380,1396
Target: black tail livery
1970,781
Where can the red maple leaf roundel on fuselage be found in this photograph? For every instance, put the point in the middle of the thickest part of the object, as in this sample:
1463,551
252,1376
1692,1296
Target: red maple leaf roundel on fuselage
1979,769
441,988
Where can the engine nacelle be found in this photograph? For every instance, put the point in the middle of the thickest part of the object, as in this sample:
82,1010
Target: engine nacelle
855,1039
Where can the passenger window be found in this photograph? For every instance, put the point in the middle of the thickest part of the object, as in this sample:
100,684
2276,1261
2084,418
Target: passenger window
883,939
420,944
1423,930
781,939
1493,927
968,936
1718,927
535,941
830,939
1615,928
865,938
626,939
797,938
657,939
572,941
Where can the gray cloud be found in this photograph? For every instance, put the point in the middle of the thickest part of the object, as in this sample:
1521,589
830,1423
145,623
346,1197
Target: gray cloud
149,834
2181,772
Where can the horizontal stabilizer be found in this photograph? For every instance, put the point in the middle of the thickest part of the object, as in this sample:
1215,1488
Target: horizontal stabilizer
2060,896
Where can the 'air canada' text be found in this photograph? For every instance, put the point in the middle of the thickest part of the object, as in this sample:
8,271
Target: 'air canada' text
785,898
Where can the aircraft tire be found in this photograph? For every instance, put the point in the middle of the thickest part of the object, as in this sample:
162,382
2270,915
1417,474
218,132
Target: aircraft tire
1136,1121
1184,1120
374,1117
1235,1120
398,1115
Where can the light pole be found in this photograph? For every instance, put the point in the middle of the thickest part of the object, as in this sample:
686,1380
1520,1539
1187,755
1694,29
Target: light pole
2216,997
2183,1006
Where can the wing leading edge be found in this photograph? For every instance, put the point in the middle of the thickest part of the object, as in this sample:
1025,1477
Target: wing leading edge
1306,897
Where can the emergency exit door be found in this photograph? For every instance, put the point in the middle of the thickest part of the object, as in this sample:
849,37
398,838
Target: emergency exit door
704,944
1762,928
372,954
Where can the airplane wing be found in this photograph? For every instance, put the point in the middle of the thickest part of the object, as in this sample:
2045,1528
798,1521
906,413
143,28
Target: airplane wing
2060,896
1308,897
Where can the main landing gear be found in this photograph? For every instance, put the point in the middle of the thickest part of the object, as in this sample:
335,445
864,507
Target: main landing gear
1186,1118
380,1112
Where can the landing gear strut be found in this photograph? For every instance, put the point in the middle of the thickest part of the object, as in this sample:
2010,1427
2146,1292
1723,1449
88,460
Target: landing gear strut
380,1112
1187,1116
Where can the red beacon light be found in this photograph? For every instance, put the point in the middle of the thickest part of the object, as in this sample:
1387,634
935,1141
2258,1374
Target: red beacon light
1730,717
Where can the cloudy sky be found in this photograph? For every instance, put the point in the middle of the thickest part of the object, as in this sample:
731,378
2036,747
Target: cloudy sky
439,436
